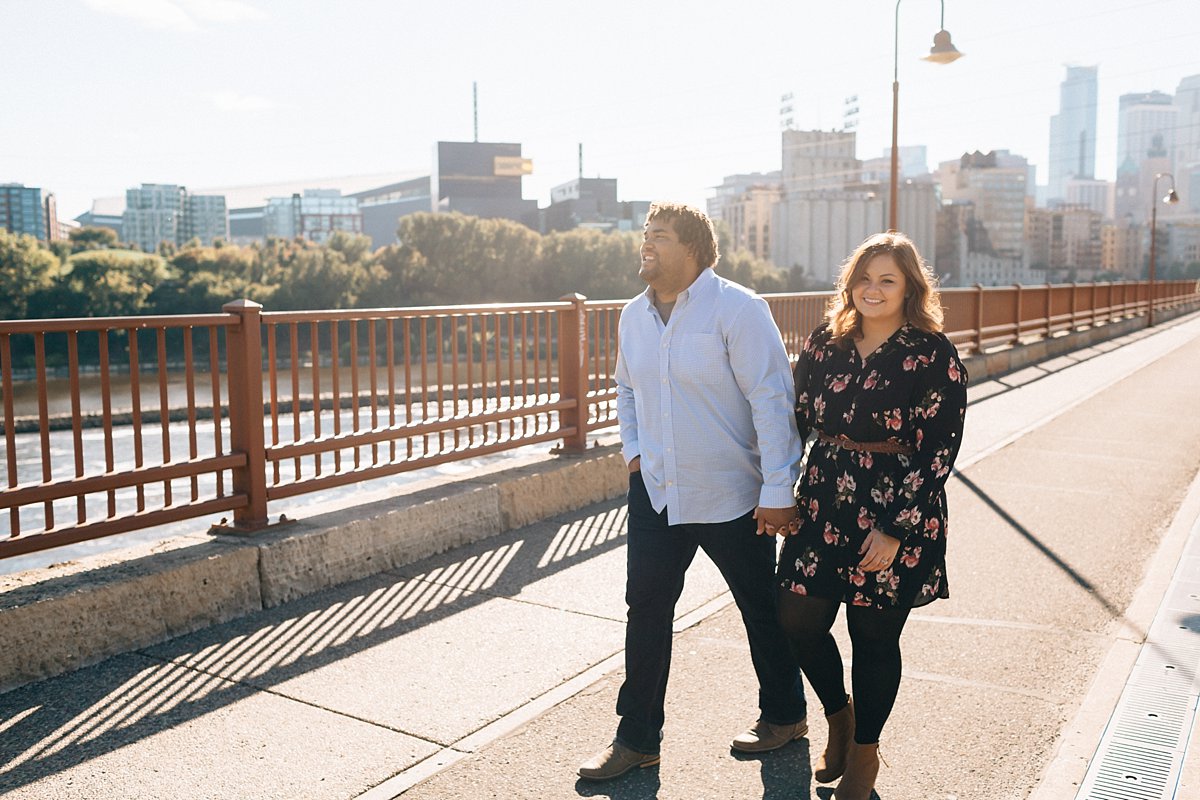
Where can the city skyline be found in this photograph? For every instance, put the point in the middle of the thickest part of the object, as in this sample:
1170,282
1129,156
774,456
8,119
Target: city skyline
208,93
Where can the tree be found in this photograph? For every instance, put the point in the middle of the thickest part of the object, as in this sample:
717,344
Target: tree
395,277
202,279
102,283
90,238
470,260
596,264
745,268
25,269
318,277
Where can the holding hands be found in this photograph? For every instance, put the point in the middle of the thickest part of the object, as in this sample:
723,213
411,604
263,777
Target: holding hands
777,521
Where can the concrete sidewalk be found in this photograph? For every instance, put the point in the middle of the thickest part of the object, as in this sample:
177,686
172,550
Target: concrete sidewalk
491,671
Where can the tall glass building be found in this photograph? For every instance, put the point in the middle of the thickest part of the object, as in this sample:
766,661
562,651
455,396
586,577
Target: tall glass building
1073,131
21,210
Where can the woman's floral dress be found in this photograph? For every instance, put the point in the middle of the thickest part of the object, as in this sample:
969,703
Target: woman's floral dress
913,389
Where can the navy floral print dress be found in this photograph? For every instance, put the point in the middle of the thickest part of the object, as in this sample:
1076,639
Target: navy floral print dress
912,389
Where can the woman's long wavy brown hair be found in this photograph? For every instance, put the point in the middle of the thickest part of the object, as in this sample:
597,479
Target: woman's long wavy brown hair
922,304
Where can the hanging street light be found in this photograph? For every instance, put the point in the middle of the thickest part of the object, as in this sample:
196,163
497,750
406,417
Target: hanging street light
942,52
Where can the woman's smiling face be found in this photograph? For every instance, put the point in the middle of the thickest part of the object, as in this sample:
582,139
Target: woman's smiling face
878,293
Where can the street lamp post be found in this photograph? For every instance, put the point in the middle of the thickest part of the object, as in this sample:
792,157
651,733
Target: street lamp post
1169,197
942,52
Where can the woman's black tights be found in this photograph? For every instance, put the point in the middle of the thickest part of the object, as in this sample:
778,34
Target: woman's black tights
875,673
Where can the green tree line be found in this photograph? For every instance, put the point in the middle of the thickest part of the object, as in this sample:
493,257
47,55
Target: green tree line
441,259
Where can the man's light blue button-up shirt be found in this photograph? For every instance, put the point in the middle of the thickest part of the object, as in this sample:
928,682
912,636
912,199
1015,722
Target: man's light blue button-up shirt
707,401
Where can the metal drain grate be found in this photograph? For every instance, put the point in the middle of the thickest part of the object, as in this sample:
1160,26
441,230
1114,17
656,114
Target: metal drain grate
1141,753
1133,772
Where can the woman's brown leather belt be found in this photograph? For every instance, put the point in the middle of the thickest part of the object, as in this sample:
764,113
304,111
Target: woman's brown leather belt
889,446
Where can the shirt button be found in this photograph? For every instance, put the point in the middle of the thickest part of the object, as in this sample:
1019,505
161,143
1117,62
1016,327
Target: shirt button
670,483
664,380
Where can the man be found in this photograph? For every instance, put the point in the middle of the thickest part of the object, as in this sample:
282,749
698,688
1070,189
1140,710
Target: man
705,404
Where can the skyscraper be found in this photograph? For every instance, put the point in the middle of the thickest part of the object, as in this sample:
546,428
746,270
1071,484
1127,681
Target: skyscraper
21,210
1073,131
1142,117
1187,142
165,212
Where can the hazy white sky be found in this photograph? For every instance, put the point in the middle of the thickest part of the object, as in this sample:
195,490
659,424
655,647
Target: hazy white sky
100,95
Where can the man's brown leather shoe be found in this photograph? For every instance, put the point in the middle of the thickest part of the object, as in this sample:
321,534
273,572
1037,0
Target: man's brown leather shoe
764,736
614,761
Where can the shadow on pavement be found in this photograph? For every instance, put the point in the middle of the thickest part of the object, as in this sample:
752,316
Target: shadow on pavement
1053,557
65,721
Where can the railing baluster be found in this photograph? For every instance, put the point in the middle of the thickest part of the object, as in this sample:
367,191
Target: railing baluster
163,407
374,376
76,419
10,423
439,335
335,377
424,343
390,333
454,371
273,388
214,372
135,394
294,370
314,351
354,384
512,375
189,369
408,398
106,400
39,346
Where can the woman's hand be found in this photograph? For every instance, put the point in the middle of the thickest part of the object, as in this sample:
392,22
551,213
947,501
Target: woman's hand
878,551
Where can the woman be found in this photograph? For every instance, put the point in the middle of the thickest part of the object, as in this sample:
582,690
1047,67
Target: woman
885,393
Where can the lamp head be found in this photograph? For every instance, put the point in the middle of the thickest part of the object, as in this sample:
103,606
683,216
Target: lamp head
943,50
1171,197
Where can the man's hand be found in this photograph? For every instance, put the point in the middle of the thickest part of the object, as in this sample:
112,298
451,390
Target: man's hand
878,551
774,520
636,464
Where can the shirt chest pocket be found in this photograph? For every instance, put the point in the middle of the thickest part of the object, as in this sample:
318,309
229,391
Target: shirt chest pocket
699,358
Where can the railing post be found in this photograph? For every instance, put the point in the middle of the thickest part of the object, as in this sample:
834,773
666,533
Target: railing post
1017,329
244,357
572,372
1049,310
979,318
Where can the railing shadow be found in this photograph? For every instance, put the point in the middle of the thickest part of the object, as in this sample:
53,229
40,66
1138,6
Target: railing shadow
66,721
1044,549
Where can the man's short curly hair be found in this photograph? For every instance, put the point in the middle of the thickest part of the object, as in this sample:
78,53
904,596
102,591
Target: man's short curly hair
692,226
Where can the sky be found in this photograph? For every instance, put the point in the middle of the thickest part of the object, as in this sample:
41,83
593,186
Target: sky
667,97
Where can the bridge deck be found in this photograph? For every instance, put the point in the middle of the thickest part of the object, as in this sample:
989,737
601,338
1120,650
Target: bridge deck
492,671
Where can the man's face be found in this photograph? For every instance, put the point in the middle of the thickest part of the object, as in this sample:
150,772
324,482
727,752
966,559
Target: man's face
667,265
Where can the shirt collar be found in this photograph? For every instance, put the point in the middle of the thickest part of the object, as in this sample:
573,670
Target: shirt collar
705,281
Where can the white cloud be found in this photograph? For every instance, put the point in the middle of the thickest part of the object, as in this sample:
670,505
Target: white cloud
177,15
221,10
232,101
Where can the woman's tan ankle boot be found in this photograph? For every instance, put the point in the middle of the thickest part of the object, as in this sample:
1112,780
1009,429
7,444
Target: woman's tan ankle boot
832,763
862,767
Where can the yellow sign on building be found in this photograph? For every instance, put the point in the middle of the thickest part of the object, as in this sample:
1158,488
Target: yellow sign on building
511,166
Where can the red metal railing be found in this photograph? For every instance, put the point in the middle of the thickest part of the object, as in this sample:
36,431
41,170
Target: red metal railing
186,478
304,401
